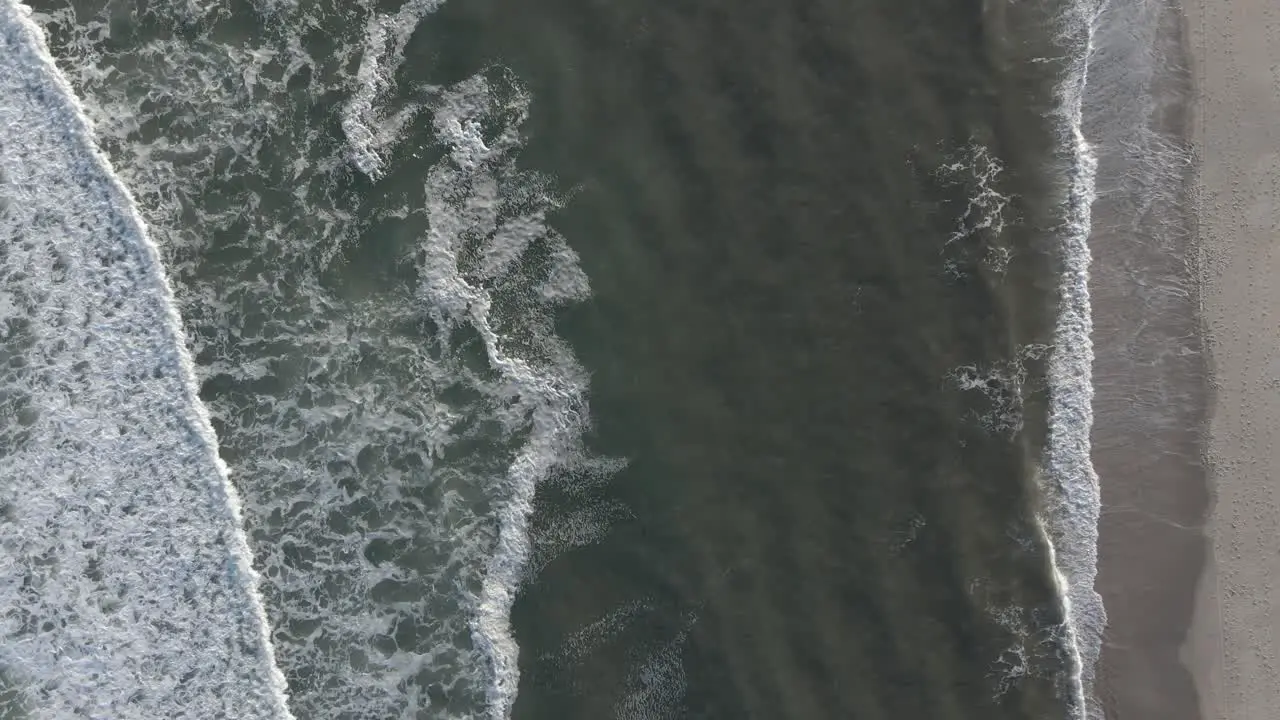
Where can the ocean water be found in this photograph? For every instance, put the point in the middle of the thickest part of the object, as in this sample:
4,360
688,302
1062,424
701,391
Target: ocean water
479,359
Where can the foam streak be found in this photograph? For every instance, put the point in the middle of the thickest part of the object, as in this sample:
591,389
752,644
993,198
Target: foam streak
550,393
368,131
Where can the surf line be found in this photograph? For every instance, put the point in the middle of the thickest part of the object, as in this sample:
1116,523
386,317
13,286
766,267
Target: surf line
27,61
1074,498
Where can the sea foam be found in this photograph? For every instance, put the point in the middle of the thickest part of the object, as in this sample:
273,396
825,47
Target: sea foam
465,198
368,128
1073,499
547,387
126,584
386,426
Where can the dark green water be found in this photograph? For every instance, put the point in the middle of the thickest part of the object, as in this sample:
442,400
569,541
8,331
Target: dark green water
818,236
821,524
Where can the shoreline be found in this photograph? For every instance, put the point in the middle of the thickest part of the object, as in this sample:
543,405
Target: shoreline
1151,371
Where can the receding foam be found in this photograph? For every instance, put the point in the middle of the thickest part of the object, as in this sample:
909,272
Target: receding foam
547,386
386,437
369,130
126,584
1072,492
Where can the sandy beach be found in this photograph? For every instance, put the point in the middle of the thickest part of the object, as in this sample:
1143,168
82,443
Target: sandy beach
1232,646
1152,382
1189,559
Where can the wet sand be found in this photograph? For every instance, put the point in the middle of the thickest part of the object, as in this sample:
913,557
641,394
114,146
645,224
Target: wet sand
1189,571
1152,397
1232,646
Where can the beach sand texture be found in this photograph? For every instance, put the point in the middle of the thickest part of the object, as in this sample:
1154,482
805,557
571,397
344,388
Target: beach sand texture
1150,391
1232,646
1186,286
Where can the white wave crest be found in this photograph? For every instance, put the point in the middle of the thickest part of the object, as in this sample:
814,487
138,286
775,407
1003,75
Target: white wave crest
1073,497
359,419
125,579
547,387
369,130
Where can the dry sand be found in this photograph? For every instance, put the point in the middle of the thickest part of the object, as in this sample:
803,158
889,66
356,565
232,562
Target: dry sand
1232,646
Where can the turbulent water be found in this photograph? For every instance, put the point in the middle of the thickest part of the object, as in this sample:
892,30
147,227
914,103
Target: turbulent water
125,540
303,303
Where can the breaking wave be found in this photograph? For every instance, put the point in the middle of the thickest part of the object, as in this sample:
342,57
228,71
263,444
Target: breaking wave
385,426
127,588
1073,500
